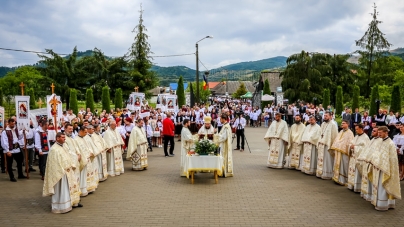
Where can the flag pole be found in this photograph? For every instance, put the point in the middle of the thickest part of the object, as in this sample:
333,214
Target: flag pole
25,139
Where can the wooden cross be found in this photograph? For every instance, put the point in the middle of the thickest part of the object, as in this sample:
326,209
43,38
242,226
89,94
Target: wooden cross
54,105
40,103
53,88
22,88
136,89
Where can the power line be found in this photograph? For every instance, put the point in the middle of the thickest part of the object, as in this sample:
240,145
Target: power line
173,55
203,64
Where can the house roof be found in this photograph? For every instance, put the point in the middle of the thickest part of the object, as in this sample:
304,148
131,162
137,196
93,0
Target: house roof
156,91
273,79
220,88
213,84
174,86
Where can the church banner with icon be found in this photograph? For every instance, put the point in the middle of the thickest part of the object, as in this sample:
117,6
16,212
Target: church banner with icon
167,102
54,108
22,111
1,116
136,101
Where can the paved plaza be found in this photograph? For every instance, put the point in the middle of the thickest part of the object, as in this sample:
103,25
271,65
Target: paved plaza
256,196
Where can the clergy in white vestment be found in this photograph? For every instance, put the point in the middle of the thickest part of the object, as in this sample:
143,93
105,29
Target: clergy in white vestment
310,138
186,145
102,157
87,182
363,163
340,150
74,152
225,144
277,138
357,145
137,147
295,147
97,150
59,181
206,128
325,161
384,173
114,143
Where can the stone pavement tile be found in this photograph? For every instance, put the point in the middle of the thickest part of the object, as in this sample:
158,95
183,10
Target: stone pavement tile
255,196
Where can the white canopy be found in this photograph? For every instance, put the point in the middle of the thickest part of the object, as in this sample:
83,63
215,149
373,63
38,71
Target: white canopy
267,98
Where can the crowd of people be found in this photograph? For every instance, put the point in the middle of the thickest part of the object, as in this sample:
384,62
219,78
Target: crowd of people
86,149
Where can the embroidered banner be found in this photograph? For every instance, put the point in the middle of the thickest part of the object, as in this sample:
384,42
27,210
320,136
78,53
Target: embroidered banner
136,100
22,111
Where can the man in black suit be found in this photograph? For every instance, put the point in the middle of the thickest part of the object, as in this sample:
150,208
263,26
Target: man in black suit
347,116
380,118
356,118
302,109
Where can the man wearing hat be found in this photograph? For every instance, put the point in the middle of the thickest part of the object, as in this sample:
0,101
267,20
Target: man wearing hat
126,129
207,128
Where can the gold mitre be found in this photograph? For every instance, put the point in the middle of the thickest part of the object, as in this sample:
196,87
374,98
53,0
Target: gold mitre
207,119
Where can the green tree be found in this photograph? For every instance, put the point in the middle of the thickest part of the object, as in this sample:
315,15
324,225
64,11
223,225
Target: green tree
191,95
105,99
140,60
203,94
181,92
375,45
1,97
355,97
240,91
373,98
339,101
266,91
395,105
90,99
118,99
326,98
31,95
73,101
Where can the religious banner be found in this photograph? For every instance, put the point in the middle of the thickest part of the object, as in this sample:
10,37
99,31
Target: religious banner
22,111
54,108
144,113
1,116
171,103
136,100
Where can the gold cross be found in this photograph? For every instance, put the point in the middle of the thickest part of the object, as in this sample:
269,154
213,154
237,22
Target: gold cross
22,88
54,104
136,89
53,88
40,103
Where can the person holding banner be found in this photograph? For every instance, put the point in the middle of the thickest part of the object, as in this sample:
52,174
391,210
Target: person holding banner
42,144
11,147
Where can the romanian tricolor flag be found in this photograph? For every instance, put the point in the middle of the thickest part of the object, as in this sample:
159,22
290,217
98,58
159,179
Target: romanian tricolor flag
205,82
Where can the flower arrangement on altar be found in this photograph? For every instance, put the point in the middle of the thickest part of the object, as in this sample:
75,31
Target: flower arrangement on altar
205,147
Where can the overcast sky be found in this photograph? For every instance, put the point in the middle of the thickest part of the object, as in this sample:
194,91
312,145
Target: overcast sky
243,30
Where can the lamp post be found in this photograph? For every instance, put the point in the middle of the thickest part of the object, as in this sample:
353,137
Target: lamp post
197,68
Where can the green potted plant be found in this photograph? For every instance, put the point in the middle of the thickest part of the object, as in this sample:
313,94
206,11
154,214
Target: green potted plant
205,147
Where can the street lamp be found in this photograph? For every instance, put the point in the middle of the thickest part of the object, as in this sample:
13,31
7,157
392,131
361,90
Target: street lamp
197,68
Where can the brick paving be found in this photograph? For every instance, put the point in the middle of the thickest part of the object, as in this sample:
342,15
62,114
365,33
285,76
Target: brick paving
256,196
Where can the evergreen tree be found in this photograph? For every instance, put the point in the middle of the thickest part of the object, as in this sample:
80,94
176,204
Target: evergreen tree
266,91
375,45
191,95
374,96
90,99
395,105
180,92
339,100
242,90
355,97
31,94
140,60
118,99
105,99
326,98
1,97
73,101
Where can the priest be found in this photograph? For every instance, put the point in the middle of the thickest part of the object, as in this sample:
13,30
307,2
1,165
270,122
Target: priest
97,150
295,147
340,149
325,161
114,143
137,147
310,138
357,145
59,181
225,144
363,163
187,143
74,153
277,138
102,157
88,182
384,173
206,128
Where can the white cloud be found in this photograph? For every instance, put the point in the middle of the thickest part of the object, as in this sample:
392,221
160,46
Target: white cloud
243,30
